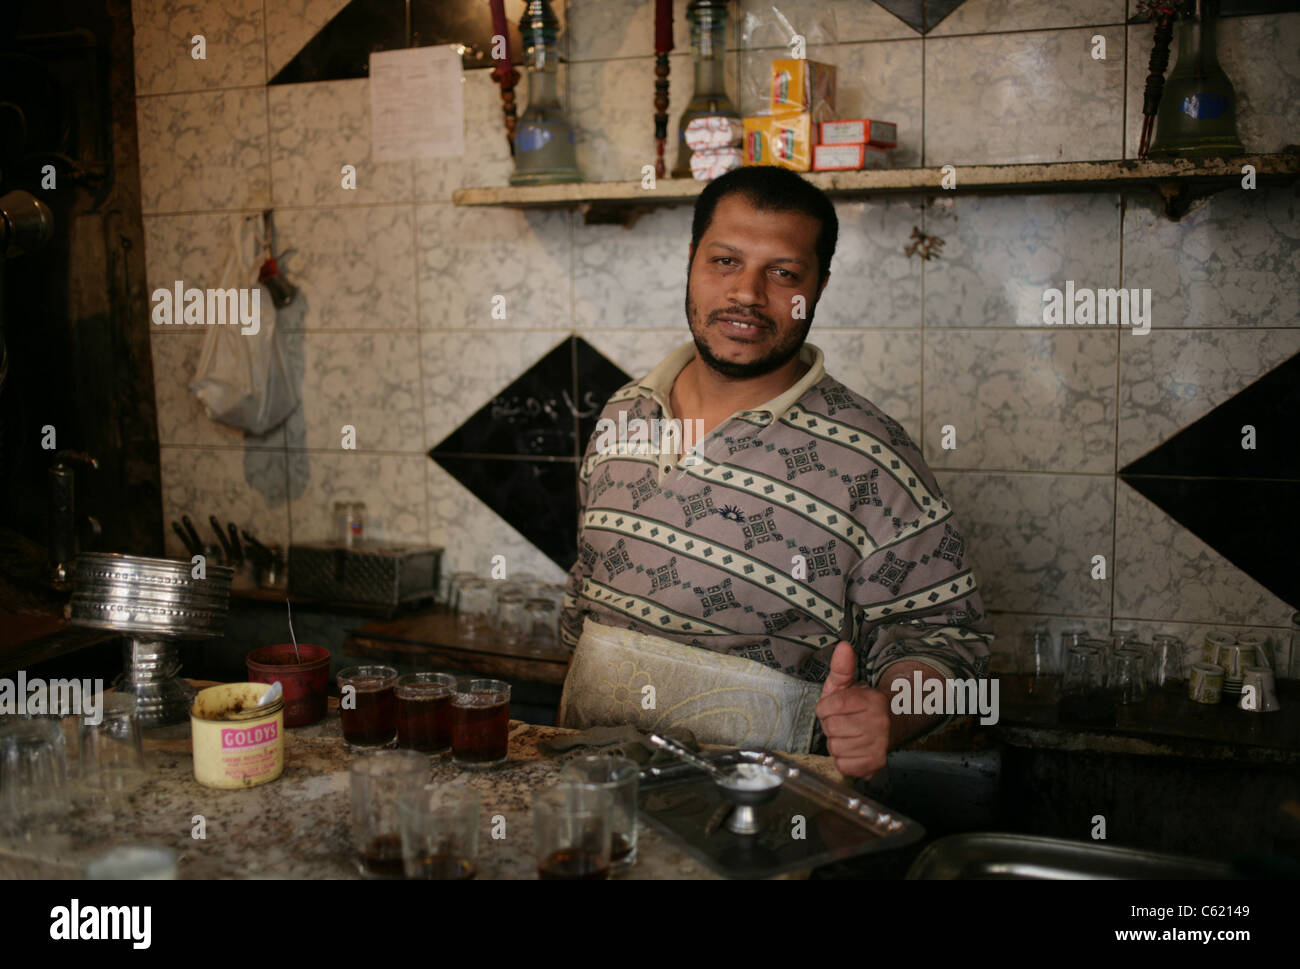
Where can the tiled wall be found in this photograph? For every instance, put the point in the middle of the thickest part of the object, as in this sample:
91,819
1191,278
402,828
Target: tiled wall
392,332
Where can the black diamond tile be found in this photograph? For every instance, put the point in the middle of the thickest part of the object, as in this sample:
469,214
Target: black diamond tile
535,416
341,49
921,15
1242,503
538,498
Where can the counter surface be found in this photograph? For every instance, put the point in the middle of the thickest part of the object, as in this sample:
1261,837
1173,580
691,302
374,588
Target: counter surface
296,827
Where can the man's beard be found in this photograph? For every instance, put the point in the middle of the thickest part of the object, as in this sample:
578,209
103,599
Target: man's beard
779,356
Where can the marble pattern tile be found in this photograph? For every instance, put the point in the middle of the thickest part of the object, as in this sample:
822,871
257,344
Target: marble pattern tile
984,16
246,487
1000,253
182,418
612,110
354,267
636,277
1233,260
1032,538
873,282
464,371
602,29
1036,96
193,247
471,533
883,366
291,24
318,128
391,485
1164,572
1169,379
1022,401
370,381
203,151
487,160
164,30
1258,55
819,21
638,351
469,256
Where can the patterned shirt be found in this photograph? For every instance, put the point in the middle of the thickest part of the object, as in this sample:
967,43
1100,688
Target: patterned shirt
787,528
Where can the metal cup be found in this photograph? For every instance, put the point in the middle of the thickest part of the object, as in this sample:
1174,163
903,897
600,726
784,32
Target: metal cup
1258,691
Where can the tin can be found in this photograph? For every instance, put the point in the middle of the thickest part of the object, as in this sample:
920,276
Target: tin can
1205,683
237,743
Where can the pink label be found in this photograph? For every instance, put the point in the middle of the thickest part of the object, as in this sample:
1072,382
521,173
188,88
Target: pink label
235,739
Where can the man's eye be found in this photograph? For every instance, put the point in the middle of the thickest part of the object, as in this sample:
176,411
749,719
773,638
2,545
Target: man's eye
723,259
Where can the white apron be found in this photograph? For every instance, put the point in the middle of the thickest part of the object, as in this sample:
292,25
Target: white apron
720,698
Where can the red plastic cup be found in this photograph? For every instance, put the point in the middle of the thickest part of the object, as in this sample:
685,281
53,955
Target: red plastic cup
305,678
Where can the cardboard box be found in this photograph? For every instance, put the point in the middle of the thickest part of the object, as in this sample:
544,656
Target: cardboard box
800,86
784,140
849,158
860,131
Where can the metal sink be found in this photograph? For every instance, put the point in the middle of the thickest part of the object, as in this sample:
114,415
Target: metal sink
1025,857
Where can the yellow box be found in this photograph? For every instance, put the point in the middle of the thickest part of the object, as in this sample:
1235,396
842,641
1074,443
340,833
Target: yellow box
800,85
784,140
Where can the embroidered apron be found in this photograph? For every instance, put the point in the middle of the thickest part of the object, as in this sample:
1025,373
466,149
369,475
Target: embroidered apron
722,699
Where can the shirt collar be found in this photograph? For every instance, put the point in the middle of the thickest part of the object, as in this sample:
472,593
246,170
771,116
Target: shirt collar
658,384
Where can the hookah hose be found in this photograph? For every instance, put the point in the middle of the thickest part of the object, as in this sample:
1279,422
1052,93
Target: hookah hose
1163,12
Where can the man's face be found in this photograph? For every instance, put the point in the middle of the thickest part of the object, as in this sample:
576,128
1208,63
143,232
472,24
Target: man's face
741,293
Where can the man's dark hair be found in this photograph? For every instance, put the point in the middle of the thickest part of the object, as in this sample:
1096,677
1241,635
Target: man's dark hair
770,188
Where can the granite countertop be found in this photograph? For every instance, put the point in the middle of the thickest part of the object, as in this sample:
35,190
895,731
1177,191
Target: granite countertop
296,827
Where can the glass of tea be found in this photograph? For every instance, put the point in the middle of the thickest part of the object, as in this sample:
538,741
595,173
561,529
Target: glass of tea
480,723
424,711
368,707
378,782
572,827
618,775
440,832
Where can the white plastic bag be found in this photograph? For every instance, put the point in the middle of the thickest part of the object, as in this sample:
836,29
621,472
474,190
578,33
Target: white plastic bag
243,378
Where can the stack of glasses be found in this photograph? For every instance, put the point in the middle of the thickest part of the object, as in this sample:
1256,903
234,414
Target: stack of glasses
522,611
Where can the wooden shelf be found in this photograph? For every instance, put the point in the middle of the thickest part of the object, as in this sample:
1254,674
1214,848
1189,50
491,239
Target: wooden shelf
1179,181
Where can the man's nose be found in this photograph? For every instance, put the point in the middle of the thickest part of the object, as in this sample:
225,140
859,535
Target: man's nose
748,287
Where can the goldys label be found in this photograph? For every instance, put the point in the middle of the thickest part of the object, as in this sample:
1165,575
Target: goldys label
244,738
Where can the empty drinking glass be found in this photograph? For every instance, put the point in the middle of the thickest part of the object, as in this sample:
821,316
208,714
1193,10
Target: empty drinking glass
440,832
378,783
572,828
33,772
618,775
1167,660
1128,676
512,624
476,609
541,619
112,751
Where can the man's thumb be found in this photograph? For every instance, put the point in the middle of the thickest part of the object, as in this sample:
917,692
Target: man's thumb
844,668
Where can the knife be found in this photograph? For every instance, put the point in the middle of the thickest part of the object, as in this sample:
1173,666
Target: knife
185,539
234,543
195,541
221,537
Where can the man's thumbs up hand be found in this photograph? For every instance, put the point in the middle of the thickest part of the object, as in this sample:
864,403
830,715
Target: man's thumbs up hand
855,718
844,669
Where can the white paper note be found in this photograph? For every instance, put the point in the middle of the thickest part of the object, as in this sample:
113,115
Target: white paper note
417,104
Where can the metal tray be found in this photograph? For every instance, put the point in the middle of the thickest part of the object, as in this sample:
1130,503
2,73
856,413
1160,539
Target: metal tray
684,803
1025,857
149,596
